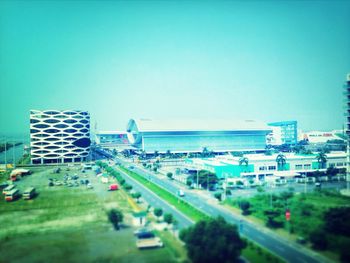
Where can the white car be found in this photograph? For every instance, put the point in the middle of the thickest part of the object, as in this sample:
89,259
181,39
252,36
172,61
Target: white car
180,193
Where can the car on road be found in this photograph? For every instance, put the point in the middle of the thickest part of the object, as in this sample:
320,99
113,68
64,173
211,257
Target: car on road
180,193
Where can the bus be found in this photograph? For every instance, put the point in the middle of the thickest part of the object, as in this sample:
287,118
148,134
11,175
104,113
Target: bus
12,195
8,189
29,193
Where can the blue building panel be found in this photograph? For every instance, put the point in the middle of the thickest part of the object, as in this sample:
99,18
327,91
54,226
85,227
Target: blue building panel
289,130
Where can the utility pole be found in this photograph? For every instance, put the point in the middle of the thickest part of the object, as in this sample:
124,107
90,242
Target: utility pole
347,92
5,154
197,179
13,154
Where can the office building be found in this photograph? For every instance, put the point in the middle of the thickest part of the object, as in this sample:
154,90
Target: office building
59,136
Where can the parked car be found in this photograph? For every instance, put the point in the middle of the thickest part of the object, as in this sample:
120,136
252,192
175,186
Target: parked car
113,187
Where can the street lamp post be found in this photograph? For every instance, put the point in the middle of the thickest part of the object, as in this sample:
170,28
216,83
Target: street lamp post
13,154
197,179
5,154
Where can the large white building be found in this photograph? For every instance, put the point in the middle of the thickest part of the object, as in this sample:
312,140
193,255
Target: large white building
59,136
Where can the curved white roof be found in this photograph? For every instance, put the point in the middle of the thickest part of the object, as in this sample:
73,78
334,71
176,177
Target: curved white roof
150,125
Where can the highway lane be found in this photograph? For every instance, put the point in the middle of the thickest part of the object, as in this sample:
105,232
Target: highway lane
291,252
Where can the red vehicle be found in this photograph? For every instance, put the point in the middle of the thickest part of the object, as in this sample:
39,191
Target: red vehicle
113,187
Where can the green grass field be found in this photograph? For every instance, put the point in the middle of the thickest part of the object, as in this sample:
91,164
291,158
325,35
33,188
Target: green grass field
69,224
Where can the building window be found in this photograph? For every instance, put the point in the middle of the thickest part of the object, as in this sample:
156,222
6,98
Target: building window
272,168
298,166
262,168
340,164
307,166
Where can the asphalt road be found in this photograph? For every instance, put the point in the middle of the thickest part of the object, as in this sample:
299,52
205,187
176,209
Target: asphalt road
289,251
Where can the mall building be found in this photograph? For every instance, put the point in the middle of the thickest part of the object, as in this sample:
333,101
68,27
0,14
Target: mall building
59,136
183,136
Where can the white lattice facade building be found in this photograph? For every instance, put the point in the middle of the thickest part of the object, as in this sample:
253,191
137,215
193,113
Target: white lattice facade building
59,136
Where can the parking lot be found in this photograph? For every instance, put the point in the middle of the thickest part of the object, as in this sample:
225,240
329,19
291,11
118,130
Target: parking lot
67,222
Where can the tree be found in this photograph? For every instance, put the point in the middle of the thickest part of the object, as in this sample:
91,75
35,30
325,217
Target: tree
206,179
116,217
127,187
281,161
337,221
243,162
137,196
318,239
218,196
206,153
274,218
168,218
321,158
189,182
170,175
158,212
245,205
212,240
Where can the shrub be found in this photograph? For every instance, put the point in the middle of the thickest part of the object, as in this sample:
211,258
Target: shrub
168,218
158,212
218,196
245,205
169,175
318,239
127,187
116,217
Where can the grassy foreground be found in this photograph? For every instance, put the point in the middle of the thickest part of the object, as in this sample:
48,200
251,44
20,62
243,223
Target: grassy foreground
69,224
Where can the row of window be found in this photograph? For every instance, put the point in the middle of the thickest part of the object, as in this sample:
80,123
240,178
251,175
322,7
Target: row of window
265,168
85,120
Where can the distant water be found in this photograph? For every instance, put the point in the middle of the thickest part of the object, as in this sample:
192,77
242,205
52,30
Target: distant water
14,152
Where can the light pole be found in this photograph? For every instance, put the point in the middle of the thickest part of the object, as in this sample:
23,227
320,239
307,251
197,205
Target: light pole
13,154
5,154
208,182
197,179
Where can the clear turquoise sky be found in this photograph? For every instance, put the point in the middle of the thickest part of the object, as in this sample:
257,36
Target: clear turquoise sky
269,61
